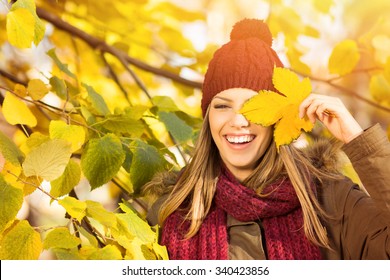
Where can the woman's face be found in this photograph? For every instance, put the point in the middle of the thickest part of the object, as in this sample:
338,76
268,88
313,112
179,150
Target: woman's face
240,143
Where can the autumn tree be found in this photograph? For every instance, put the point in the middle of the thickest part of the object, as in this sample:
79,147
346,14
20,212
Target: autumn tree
98,96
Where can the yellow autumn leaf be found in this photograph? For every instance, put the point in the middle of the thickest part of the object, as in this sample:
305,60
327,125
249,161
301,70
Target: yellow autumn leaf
380,89
20,28
72,133
20,90
21,242
294,56
60,238
344,58
37,89
381,44
48,160
272,108
39,26
74,207
16,111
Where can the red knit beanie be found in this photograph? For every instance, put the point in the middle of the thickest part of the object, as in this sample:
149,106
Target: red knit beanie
247,61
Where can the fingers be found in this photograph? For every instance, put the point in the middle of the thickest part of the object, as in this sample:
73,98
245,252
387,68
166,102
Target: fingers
317,106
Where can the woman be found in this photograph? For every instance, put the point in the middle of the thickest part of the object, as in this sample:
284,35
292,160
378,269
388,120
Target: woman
241,198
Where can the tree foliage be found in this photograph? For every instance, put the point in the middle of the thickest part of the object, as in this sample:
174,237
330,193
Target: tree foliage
103,94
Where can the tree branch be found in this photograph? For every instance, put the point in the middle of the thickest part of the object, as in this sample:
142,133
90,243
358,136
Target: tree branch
345,90
97,43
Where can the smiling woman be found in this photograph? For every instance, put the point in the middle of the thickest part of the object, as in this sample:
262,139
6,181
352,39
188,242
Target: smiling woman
242,196
240,143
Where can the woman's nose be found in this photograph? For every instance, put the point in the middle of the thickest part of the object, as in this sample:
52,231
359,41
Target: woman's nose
238,120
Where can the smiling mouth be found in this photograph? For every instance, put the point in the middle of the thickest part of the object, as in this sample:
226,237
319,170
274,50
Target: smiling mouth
242,139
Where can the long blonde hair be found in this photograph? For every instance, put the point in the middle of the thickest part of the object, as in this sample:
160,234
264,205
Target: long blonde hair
197,183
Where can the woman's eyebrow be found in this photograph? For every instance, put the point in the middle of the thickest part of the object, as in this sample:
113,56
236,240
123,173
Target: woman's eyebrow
223,98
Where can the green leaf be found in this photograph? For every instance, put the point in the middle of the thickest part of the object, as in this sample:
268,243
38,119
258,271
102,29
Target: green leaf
102,159
11,105
135,225
59,87
67,181
48,160
176,126
60,238
164,103
75,208
20,28
72,133
67,254
97,101
146,162
21,242
124,124
60,65
11,200
10,151
136,112
109,252
96,211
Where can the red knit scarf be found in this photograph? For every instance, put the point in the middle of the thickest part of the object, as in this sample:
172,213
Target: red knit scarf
279,211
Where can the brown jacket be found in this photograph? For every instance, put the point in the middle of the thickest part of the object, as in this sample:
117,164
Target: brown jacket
360,224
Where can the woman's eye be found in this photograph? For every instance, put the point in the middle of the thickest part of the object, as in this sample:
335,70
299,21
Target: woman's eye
221,106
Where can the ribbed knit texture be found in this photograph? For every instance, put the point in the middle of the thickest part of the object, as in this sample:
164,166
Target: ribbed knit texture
246,61
279,211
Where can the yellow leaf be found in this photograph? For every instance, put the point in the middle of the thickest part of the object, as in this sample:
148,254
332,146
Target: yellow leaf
74,207
294,56
20,28
48,160
72,133
266,108
323,5
381,43
39,26
344,57
37,89
271,108
20,90
67,181
380,89
16,111
289,127
33,141
109,252
21,242
60,238
288,83
96,211
11,200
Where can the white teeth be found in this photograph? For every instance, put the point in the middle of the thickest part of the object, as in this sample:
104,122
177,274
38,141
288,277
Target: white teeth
240,139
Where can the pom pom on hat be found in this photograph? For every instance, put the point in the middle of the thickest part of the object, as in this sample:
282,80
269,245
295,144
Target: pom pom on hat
249,28
246,61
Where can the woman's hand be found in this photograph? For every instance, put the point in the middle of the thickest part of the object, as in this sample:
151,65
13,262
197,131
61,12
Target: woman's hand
333,114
